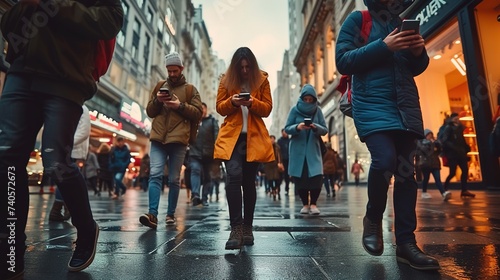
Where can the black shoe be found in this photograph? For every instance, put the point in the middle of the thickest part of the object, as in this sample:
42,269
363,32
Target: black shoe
247,235
467,194
84,252
149,220
235,240
372,237
410,254
196,201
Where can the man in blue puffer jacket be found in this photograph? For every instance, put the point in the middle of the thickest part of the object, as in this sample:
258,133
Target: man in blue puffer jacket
388,118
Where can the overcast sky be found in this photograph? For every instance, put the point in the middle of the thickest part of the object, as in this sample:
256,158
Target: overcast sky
261,25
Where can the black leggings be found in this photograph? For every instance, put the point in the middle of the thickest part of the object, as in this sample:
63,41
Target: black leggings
241,173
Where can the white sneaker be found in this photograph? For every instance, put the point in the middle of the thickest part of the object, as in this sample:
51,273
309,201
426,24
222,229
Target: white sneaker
304,210
446,195
426,195
314,210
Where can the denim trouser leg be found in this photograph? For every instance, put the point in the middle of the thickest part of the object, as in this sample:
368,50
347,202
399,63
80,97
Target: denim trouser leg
159,153
196,171
21,117
436,173
118,178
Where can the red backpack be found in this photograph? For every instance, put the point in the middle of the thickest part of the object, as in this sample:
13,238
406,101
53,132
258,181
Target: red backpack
345,84
103,55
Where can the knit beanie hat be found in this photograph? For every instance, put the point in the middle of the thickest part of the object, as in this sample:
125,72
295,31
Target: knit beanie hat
173,59
427,131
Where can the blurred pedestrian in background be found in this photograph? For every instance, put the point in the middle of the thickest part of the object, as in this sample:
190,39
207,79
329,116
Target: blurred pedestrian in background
428,150
284,143
119,160
306,164
243,141
201,157
104,175
144,172
272,170
356,170
455,149
329,170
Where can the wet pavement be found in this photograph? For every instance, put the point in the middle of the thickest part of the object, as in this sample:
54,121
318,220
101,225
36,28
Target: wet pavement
463,234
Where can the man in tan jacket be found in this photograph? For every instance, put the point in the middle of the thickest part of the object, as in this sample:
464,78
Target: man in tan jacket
173,107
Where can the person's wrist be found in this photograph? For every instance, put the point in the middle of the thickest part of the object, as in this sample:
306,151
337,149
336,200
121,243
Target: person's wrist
234,105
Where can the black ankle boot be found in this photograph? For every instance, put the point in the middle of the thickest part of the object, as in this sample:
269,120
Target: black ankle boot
372,237
412,255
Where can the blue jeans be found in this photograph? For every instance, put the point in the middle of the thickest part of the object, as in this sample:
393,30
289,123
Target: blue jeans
393,153
23,111
200,175
436,173
329,182
172,154
118,177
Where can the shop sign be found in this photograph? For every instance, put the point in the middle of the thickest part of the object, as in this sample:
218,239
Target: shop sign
104,121
132,112
431,13
135,114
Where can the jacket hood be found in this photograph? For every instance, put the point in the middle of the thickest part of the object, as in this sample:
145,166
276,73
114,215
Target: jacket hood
308,90
395,8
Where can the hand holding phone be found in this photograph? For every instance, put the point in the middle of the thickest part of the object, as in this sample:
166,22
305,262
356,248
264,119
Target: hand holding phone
307,121
244,95
411,24
164,94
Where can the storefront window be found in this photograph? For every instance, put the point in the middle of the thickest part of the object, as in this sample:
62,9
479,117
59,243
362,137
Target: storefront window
443,90
487,15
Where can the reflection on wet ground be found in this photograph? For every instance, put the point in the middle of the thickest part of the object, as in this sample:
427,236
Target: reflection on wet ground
463,234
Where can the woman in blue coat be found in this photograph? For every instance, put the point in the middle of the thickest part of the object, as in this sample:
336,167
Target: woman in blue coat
306,165
388,118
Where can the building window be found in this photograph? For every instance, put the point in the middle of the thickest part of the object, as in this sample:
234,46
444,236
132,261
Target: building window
136,39
149,16
120,38
146,52
160,25
140,3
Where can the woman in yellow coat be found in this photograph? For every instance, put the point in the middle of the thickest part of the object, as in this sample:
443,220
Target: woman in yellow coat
243,141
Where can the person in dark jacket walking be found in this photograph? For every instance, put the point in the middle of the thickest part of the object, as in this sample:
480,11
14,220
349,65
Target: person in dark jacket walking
104,175
428,151
201,157
144,172
49,78
388,118
455,149
119,160
284,142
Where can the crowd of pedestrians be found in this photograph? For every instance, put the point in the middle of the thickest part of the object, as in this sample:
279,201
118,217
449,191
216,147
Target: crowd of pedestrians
185,136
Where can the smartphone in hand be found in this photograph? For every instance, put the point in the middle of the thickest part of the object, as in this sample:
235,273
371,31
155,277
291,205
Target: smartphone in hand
244,95
166,92
307,121
410,24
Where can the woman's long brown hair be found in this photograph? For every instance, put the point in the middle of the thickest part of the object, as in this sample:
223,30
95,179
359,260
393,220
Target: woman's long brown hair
233,79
